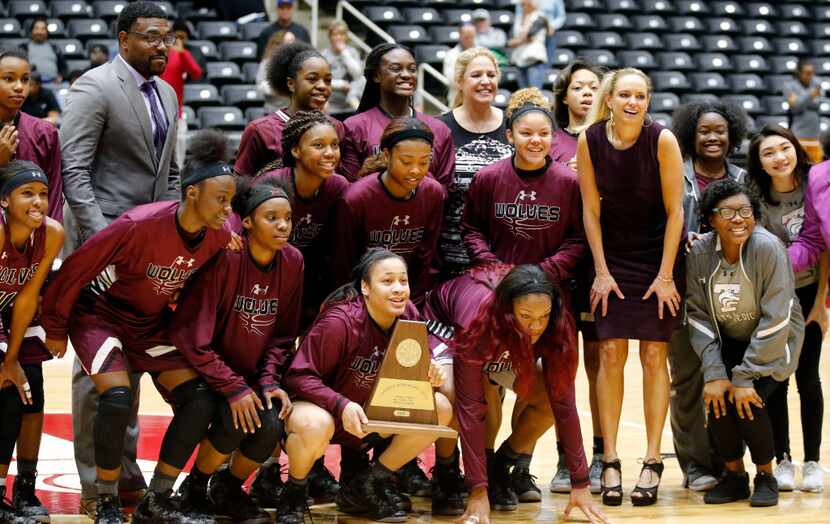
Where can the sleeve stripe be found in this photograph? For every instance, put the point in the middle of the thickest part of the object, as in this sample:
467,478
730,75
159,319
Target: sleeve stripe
778,327
700,327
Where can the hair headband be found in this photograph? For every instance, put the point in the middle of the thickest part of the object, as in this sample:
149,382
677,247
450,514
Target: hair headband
389,141
528,108
23,177
205,172
258,194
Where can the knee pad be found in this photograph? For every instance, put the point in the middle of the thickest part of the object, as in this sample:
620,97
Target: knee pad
111,422
259,446
195,407
34,374
223,436
11,413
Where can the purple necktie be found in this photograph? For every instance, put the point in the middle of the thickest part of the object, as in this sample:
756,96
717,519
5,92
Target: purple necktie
160,133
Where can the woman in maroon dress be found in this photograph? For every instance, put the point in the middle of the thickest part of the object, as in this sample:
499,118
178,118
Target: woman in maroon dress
631,177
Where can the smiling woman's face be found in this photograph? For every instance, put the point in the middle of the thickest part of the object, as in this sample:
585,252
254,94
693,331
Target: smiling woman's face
629,100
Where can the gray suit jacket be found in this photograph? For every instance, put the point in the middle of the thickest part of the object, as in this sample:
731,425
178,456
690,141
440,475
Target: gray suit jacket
109,164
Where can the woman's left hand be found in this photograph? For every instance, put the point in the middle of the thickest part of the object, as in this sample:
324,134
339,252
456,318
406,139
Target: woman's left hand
818,314
667,295
437,375
581,498
744,399
282,396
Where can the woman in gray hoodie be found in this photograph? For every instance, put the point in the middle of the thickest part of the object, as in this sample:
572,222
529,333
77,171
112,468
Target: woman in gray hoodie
746,325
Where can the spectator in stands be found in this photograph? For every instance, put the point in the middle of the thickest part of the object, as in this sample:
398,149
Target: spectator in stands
487,35
41,102
44,57
273,100
118,139
466,40
284,22
347,80
184,31
99,54
529,54
573,95
802,94
708,133
181,67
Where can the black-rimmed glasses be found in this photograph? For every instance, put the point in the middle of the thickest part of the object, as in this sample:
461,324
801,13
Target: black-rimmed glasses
154,39
728,213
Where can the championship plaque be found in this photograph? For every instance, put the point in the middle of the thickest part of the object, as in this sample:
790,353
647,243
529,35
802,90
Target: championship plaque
402,400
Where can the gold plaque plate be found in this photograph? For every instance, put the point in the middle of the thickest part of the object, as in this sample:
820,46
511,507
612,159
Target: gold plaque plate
408,352
403,394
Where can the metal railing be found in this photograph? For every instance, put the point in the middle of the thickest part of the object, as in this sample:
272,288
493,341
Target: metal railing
315,20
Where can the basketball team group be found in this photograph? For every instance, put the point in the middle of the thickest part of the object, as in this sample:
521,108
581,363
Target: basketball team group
261,296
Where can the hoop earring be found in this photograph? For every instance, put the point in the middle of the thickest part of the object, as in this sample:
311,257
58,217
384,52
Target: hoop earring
648,121
611,122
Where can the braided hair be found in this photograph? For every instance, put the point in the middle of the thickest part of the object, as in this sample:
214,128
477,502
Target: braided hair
371,93
294,130
286,61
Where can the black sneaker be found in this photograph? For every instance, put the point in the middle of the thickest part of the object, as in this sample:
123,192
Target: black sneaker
524,485
412,480
231,503
292,506
731,487
365,493
321,484
25,501
267,488
499,489
397,496
158,508
447,489
8,514
193,497
766,491
108,510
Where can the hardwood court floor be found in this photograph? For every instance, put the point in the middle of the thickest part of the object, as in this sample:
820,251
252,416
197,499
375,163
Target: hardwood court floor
676,505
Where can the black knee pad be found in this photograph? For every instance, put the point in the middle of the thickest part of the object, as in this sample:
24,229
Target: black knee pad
111,423
194,409
259,446
223,436
11,416
34,374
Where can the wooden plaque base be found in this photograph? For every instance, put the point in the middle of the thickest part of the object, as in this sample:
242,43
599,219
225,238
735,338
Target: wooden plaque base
405,428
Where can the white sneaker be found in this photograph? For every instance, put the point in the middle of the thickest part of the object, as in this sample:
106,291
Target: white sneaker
784,473
812,477
595,473
561,481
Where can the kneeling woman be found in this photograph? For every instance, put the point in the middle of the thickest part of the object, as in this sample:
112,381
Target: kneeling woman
746,325
332,375
522,311
236,326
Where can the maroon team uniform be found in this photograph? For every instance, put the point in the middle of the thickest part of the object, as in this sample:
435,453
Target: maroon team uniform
363,132
451,307
124,312
368,216
563,148
39,143
311,233
338,361
237,322
262,141
16,270
525,219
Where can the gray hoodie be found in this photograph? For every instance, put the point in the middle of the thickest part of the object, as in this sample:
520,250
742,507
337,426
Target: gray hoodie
776,342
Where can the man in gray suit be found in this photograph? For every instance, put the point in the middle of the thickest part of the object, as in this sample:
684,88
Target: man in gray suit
118,135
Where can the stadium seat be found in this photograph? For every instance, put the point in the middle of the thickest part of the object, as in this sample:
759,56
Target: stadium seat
777,83
383,15
77,64
189,116
686,24
201,14
242,96
475,4
55,26
457,17
444,35
761,10
83,28
664,102
714,62
792,28
23,9
579,21
422,16
613,22
221,73
622,6
550,77
509,78
709,82
218,30
650,23
821,30
503,19
69,47
606,40
431,54
221,117
640,59
681,42
777,120
171,11
571,39
731,9
757,27
601,57
252,113
207,48
562,57
719,44
820,47
750,63
677,61
662,7
821,13
722,25
586,5
673,81
782,65
692,7
502,98
409,34
755,44
106,9
110,43
698,98
70,9
647,41
198,95
9,28
238,51
822,64
775,105
824,107
249,71
792,46
747,83
664,119
794,12
748,103
251,30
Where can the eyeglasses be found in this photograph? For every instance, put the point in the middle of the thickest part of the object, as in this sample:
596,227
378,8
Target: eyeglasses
154,39
728,213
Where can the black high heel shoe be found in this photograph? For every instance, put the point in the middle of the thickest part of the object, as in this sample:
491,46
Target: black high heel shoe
648,496
612,495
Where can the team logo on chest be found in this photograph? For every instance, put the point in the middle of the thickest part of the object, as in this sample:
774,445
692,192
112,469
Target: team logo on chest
169,279
305,231
15,277
503,363
525,215
365,370
399,237
256,312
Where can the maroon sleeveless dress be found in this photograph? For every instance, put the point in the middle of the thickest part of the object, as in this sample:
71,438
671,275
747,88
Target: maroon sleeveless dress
633,222
16,269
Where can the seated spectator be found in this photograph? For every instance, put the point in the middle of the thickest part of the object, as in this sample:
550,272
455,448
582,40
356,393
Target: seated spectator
803,93
181,66
44,57
41,102
273,100
99,54
347,80
466,40
284,22
529,54
487,35
184,31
